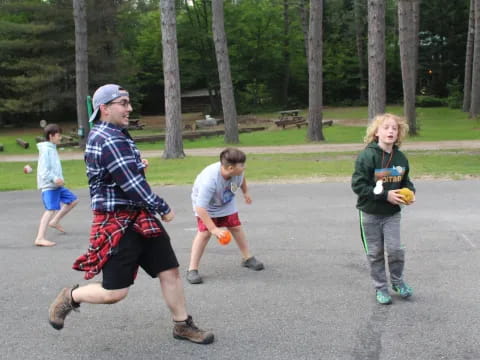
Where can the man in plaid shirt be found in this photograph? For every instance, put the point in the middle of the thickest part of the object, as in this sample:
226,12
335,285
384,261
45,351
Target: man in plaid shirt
125,233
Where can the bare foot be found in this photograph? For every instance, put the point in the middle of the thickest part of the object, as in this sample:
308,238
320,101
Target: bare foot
44,242
57,227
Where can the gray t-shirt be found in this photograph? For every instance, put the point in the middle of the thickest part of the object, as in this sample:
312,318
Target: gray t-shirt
215,193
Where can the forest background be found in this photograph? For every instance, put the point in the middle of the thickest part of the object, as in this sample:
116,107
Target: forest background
266,43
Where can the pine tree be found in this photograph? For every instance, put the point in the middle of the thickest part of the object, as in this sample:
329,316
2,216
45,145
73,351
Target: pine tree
36,58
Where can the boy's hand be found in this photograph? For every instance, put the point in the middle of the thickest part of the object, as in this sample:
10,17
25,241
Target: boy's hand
247,198
218,232
145,162
59,182
394,197
168,217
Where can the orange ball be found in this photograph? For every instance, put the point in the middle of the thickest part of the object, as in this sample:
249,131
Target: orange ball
407,195
225,238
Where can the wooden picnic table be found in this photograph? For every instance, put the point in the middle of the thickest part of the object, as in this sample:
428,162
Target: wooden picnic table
290,117
134,124
298,122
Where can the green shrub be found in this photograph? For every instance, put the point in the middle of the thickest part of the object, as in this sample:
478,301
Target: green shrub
430,101
455,95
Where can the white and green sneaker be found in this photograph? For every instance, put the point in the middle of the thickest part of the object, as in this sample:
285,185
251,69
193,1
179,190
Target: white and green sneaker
403,290
383,297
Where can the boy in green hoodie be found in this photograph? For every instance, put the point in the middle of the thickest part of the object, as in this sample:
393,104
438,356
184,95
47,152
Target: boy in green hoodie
381,170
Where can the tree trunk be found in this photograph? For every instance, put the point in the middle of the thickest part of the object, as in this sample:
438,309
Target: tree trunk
315,69
286,53
407,27
81,68
360,43
376,58
416,32
171,75
223,62
475,101
304,19
198,16
467,82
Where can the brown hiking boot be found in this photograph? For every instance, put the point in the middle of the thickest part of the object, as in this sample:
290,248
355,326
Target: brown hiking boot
61,307
186,330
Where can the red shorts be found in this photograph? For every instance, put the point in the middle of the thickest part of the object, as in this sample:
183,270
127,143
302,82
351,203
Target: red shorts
223,221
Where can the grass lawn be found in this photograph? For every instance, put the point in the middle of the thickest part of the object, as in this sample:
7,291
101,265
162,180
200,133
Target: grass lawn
435,124
263,168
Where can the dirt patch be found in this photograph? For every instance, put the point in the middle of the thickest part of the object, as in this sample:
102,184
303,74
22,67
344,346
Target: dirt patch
350,122
158,121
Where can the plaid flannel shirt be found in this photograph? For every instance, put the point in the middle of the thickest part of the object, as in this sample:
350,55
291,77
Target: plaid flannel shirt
115,172
107,230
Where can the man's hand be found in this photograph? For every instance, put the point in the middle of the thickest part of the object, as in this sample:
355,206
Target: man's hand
59,182
145,162
168,217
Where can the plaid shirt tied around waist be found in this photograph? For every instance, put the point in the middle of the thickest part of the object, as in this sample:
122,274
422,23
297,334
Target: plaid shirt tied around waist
107,230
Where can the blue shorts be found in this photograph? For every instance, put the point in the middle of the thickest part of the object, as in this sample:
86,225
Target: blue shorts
53,198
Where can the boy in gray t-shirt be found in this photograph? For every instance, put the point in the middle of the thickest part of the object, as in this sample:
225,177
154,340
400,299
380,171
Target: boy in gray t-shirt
213,200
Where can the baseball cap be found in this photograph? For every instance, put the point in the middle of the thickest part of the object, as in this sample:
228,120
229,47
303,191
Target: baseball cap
105,94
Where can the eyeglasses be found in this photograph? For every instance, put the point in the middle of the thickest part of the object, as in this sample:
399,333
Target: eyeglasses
124,103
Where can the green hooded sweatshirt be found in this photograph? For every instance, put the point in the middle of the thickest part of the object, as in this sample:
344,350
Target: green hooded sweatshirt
374,164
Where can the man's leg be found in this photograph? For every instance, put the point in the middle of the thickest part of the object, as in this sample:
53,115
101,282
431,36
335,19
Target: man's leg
118,274
95,294
70,298
65,209
184,328
172,290
42,229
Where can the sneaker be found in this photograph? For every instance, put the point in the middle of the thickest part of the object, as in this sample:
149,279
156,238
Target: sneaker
403,290
194,277
253,264
61,307
186,330
383,297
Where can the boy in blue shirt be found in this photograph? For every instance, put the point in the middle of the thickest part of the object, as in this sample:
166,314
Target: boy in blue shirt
213,200
57,199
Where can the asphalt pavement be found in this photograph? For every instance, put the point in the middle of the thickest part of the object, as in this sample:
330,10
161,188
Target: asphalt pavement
314,300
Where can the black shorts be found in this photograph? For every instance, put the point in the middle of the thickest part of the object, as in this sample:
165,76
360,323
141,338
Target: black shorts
153,255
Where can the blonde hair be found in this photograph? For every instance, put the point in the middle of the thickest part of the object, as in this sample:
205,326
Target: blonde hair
379,120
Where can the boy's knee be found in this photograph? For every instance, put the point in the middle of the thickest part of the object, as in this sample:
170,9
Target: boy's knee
375,253
204,235
396,254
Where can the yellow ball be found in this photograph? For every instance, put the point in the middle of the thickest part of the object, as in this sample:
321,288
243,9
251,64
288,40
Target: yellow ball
407,195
